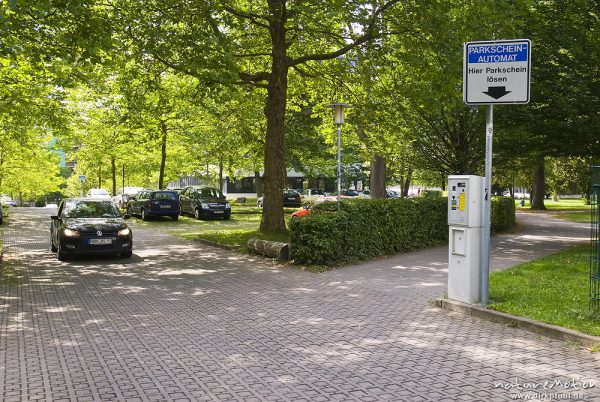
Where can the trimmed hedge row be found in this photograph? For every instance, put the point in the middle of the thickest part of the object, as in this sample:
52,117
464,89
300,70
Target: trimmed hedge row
364,229
503,214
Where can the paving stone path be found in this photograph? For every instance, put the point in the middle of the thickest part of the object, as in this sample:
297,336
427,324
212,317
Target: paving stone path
183,321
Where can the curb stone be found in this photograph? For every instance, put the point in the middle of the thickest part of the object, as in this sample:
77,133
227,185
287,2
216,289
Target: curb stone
540,328
219,245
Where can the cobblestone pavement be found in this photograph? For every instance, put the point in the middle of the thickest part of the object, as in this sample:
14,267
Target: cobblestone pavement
184,321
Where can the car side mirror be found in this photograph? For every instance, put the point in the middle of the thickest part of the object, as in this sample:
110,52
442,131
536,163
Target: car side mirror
54,217
126,216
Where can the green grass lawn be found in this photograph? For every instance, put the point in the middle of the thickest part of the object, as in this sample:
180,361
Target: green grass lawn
553,289
572,210
242,226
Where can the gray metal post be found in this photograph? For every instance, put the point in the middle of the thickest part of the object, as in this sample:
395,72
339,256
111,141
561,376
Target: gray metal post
487,197
339,164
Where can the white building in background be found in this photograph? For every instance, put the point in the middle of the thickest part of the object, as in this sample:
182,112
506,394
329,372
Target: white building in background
245,182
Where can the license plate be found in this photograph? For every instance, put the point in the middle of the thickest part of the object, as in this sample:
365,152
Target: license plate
218,212
165,206
291,199
100,241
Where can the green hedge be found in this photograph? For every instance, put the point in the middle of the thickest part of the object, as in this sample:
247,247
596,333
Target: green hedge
503,214
365,229
432,193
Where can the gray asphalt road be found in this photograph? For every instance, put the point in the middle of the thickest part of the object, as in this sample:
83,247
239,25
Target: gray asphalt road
184,321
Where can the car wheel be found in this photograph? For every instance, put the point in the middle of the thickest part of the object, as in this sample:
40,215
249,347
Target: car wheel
197,213
259,204
129,211
175,217
226,217
143,215
60,255
52,246
127,254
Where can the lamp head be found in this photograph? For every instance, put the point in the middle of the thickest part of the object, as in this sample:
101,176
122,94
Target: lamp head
338,112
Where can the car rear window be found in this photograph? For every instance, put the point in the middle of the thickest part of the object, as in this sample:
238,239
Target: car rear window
165,195
290,193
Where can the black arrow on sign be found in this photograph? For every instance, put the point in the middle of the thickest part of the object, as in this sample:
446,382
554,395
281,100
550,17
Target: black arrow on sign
497,92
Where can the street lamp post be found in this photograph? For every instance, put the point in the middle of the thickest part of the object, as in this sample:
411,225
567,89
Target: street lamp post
338,120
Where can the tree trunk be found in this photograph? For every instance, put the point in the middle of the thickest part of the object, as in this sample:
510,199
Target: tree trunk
1,163
114,175
406,184
538,193
221,173
272,215
377,182
258,183
163,154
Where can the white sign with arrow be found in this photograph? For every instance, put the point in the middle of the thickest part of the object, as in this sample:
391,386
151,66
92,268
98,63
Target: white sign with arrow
494,72
497,72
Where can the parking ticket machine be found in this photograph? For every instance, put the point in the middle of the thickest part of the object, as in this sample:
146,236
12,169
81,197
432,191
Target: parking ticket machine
466,225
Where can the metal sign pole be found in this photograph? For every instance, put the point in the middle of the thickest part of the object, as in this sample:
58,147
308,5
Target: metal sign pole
339,164
494,72
487,197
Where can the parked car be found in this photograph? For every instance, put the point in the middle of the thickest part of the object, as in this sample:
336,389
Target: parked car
9,203
291,198
392,194
99,193
312,193
89,226
203,202
122,198
149,203
350,193
305,210
365,194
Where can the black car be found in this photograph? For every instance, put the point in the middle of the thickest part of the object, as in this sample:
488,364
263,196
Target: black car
291,198
350,193
89,226
149,203
204,202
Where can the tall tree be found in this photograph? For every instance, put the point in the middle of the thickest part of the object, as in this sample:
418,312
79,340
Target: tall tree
563,118
256,44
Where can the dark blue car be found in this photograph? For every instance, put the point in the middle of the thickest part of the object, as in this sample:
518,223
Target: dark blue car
149,203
